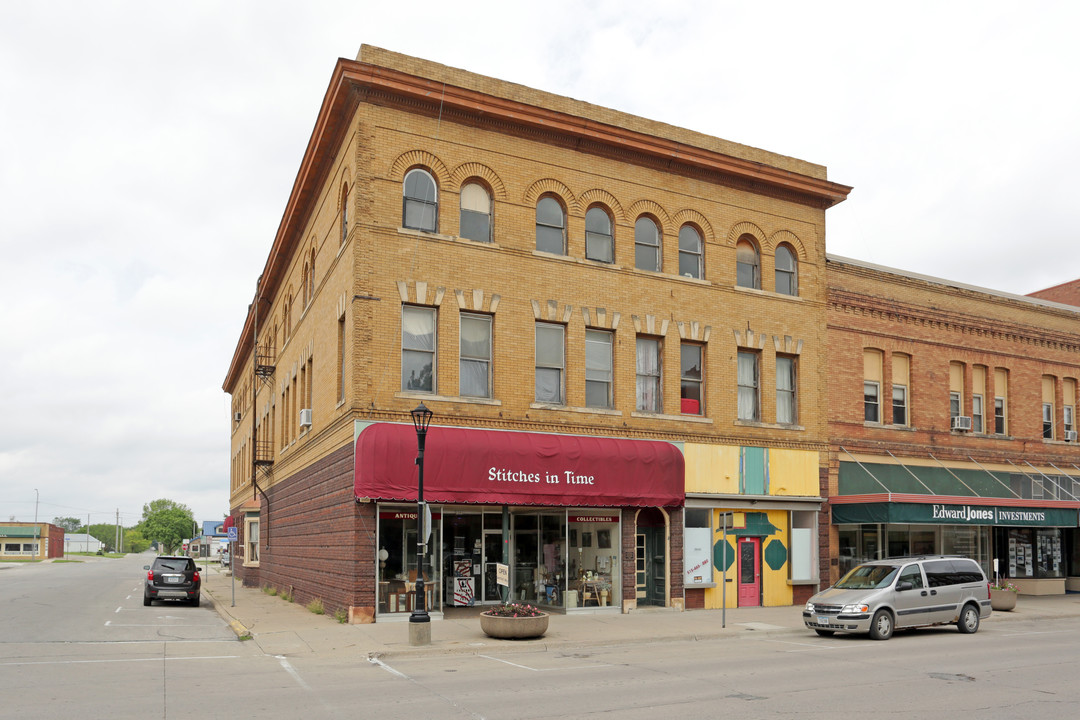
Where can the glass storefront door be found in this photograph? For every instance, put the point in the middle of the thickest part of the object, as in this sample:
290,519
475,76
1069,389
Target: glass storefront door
491,592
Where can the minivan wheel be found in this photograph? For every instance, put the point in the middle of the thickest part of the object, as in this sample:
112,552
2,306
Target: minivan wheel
881,627
825,633
969,620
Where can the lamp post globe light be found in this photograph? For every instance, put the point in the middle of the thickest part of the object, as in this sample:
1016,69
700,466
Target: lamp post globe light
419,620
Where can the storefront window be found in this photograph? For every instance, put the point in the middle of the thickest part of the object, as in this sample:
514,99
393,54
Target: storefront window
1033,553
397,562
593,560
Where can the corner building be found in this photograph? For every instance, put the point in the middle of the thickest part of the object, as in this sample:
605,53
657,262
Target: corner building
618,325
953,426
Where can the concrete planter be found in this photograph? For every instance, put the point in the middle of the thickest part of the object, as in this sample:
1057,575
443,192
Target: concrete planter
514,628
1002,599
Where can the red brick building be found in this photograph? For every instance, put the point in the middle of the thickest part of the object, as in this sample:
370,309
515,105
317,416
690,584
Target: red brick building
1067,293
952,423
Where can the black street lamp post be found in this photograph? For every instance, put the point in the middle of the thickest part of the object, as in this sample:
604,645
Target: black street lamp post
420,635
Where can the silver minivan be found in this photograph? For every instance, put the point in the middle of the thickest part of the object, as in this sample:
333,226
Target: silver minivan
880,596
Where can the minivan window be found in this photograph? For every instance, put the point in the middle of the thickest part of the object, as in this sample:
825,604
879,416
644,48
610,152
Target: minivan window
865,577
912,575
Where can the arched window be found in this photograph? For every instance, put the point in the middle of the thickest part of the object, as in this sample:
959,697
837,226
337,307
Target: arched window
421,206
550,226
646,244
787,279
747,263
311,278
475,213
690,252
344,212
599,244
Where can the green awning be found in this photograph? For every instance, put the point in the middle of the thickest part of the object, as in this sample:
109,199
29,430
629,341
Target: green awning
20,532
950,514
859,479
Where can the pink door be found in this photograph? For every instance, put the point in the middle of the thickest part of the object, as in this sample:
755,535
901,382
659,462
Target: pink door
749,572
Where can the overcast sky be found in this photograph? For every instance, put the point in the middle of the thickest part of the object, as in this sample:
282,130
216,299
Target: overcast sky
148,150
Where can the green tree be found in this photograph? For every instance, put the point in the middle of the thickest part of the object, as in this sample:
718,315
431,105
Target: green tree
134,541
167,523
69,524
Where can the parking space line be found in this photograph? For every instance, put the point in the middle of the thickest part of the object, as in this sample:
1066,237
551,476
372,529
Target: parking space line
533,669
120,660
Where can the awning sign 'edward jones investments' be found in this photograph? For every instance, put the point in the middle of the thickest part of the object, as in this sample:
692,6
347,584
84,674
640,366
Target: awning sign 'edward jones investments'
987,515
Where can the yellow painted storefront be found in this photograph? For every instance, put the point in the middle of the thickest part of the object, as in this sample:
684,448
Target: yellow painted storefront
764,493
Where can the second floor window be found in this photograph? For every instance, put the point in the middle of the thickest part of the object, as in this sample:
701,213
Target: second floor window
977,413
786,408
871,401
692,380
1048,420
899,405
418,349
420,209
550,362
475,358
648,376
749,405
999,415
598,369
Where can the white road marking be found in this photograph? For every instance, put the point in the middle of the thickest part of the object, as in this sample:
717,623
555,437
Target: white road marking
119,609
387,668
122,660
526,667
292,671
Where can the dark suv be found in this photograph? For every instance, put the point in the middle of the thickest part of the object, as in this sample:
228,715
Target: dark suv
172,578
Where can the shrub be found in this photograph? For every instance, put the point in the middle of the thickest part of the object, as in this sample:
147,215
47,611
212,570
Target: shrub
514,610
271,591
341,615
316,606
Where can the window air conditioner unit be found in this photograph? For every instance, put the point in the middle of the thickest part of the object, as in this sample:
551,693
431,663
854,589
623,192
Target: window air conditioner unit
305,417
961,422
236,417
1070,436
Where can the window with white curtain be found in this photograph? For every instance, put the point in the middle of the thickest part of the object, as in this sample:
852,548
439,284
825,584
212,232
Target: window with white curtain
550,362
649,397
418,349
786,407
598,368
475,356
748,379
475,213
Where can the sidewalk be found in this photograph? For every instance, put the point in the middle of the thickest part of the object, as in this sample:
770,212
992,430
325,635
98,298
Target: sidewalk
284,628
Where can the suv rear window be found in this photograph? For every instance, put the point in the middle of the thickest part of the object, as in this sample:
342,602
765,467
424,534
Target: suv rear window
174,565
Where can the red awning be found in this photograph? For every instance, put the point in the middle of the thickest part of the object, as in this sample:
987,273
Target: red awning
229,522
516,468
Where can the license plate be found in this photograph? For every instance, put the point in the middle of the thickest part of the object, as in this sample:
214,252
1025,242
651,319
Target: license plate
174,578
823,621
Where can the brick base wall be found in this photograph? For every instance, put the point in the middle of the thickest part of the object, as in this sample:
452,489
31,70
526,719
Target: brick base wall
315,536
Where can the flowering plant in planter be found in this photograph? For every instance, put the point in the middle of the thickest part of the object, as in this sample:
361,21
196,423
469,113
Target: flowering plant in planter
1002,586
513,610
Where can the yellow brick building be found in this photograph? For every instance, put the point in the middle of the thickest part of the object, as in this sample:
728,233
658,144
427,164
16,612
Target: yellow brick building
605,291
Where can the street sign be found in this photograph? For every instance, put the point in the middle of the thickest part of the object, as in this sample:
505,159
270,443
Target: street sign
233,535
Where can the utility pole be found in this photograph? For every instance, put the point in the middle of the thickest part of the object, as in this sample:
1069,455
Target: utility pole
37,530
116,539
